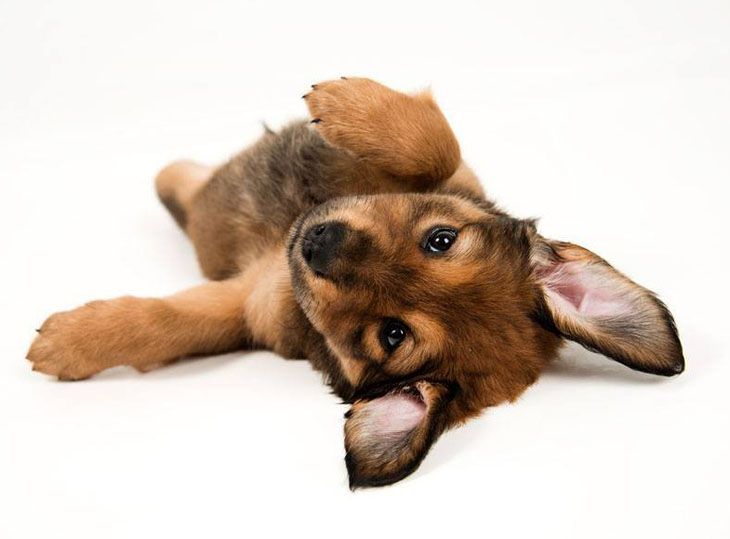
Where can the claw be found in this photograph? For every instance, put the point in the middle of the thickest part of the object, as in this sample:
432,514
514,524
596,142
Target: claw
316,121
305,96
314,86
38,330
343,78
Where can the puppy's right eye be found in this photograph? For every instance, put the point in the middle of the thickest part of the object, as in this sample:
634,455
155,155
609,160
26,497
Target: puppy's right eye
440,240
392,334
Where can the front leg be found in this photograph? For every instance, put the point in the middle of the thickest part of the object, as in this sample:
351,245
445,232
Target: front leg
403,135
141,332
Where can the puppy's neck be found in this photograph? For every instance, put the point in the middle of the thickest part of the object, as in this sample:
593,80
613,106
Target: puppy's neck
269,300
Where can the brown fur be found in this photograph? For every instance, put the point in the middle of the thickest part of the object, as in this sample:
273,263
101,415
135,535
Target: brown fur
419,145
384,168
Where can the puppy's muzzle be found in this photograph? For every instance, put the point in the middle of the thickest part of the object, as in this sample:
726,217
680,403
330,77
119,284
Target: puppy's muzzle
321,245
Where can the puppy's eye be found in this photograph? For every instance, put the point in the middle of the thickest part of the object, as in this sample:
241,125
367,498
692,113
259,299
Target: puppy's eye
441,240
392,334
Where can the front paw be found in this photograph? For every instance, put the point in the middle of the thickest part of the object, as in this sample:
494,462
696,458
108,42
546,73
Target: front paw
343,110
405,135
74,345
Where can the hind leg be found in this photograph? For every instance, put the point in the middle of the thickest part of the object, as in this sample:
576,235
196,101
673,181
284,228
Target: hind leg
177,184
186,190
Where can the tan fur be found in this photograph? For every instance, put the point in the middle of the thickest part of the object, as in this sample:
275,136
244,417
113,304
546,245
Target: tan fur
406,135
141,332
269,283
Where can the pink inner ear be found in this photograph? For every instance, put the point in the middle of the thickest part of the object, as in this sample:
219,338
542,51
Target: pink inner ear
584,289
395,413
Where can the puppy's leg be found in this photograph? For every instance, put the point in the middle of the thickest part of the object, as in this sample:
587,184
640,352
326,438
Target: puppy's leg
184,188
177,184
141,332
403,135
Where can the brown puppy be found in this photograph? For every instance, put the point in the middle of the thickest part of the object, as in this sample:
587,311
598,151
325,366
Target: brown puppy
361,241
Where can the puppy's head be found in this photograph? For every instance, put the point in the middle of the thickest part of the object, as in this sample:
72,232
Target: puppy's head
437,307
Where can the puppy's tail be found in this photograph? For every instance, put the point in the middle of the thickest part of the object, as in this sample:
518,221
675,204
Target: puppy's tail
177,184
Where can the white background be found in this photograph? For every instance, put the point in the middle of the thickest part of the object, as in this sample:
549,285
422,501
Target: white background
609,120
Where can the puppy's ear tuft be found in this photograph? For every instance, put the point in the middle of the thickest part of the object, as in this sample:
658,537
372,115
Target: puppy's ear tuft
386,438
588,301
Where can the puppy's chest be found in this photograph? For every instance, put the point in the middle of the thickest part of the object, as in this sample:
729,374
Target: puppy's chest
271,310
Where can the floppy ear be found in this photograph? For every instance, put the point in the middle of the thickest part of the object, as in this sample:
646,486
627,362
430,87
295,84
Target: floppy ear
386,438
588,301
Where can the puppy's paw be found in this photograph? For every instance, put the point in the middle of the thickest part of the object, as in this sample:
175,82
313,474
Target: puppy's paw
403,134
349,111
74,345
345,101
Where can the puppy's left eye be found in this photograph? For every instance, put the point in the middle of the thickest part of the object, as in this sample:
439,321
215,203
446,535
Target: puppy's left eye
440,240
392,334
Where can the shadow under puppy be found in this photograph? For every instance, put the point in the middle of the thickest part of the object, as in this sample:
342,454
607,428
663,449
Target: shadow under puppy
361,241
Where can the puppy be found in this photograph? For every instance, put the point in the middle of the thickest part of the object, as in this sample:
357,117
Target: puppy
361,241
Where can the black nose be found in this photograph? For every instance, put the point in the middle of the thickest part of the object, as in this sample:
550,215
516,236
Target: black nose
320,245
